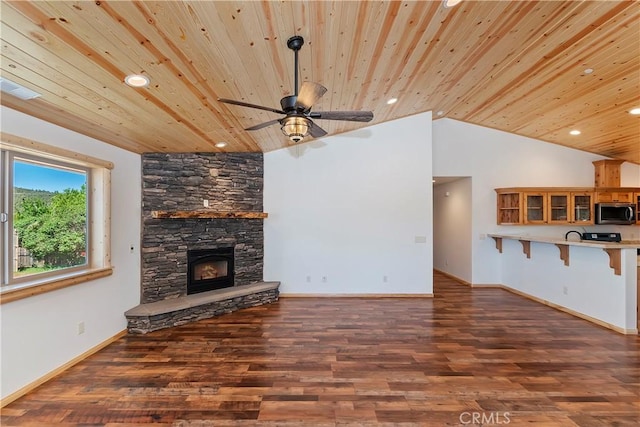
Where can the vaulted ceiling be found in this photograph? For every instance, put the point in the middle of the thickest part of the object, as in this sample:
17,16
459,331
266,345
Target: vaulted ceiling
538,69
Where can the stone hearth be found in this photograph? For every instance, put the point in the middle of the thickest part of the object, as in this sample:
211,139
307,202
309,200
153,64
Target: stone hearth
178,311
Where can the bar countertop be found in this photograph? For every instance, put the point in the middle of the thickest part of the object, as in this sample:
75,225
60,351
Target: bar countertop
625,244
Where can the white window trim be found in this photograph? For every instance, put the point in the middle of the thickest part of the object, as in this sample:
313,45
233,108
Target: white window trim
99,225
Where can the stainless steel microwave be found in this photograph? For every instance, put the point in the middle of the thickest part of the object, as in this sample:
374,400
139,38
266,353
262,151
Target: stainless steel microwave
615,213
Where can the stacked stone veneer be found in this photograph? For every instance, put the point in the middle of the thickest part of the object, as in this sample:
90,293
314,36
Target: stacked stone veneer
231,182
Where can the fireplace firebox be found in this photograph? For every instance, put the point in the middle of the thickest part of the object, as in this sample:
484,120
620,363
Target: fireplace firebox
209,269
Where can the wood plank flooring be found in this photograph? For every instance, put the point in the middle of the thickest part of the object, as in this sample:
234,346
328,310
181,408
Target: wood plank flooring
465,357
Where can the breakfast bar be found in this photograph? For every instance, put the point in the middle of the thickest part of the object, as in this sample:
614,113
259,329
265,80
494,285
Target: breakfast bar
594,280
613,249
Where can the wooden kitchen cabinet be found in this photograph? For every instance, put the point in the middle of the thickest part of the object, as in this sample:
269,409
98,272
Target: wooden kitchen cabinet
535,208
509,207
607,173
614,196
566,205
559,209
540,206
570,207
582,208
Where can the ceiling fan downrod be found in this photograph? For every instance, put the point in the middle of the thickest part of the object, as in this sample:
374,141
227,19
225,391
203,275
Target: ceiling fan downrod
295,44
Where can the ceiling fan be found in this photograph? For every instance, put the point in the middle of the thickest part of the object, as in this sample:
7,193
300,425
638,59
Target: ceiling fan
297,123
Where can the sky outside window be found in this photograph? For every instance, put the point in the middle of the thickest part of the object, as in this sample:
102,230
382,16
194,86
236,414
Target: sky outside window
38,177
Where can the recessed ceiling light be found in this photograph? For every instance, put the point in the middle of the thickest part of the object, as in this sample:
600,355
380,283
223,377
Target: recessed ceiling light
634,111
450,3
137,80
588,70
392,101
440,113
575,132
221,144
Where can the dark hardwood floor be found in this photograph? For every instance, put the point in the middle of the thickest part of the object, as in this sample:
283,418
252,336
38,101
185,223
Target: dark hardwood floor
465,357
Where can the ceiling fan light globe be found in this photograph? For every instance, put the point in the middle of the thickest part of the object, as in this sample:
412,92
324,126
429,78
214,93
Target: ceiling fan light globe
295,128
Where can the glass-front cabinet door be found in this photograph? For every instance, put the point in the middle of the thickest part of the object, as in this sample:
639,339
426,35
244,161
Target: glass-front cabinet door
582,204
570,207
535,208
559,208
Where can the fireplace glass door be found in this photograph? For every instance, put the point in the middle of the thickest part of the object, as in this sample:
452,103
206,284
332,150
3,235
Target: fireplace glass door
209,269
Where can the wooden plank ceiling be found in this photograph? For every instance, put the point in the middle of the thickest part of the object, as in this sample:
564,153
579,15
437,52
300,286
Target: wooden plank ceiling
517,66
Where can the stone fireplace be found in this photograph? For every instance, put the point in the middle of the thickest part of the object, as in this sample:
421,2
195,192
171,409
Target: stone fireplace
229,182
193,256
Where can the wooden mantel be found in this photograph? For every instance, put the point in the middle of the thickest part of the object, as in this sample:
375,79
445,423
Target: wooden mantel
207,214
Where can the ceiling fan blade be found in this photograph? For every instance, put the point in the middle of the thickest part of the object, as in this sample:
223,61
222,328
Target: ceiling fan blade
309,94
352,116
263,125
316,131
246,104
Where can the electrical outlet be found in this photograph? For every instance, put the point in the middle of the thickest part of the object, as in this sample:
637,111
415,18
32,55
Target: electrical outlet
308,279
205,202
324,279
385,279
80,328
565,290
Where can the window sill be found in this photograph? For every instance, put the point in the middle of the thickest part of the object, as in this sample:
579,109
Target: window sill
26,290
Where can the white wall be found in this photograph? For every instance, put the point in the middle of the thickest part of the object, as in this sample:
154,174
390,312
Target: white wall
452,217
39,334
498,159
350,211
629,175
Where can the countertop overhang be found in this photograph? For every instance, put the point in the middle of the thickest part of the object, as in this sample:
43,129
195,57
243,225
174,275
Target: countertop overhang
613,249
625,244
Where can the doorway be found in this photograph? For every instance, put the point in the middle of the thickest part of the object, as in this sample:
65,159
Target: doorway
452,227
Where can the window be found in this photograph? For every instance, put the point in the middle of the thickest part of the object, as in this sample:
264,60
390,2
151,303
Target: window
48,220
54,218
